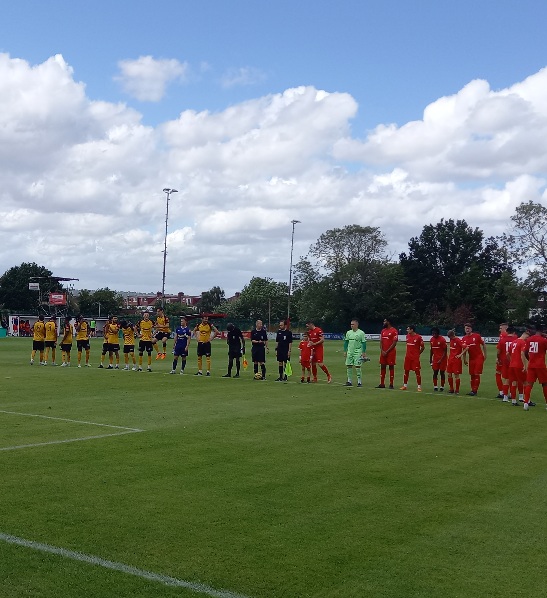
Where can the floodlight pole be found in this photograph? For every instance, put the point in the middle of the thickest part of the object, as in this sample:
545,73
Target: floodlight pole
293,222
167,192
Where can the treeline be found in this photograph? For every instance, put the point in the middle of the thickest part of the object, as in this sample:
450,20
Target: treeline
450,274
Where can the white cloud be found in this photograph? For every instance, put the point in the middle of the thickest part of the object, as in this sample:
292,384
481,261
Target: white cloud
81,181
147,78
243,76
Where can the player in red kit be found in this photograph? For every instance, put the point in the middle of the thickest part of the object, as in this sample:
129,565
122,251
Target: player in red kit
438,358
388,353
474,352
305,358
535,369
317,339
517,363
500,364
454,365
414,348
507,336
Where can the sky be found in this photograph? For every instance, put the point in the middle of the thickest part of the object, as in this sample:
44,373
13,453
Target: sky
382,113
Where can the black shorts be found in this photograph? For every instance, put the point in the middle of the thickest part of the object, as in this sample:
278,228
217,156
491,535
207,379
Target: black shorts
282,355
204,349
50,344
234,352
105,348
259,353
162,335
66,347
113,347
145,346
83,345
129,348
38,345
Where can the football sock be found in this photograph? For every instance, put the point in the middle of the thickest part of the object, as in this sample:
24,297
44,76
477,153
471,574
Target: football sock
405,378
391,375
451,382
324,368
383,375
545,393
358,370
182,364
238,365
200,363
255,368
443,379
263,370
350,373
457,385
175,361
527,393
314,370
418,379
499,382
506,390
208,360
150,359
281,371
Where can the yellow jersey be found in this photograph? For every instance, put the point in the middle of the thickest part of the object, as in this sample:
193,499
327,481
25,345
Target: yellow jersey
162,324
113,338
203,332
128,335
145,326
39,331
82,333
67,335
51,331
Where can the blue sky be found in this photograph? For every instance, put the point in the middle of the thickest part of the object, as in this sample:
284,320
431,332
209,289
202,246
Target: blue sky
382,62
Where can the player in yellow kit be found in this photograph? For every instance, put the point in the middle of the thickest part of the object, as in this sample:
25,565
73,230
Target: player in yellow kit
113,341
147,341
66,342
38,339
51,340
128,331
163,331
82,340
204,332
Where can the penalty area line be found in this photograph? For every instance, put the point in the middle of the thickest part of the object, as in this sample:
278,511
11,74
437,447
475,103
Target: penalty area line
121,567
72,421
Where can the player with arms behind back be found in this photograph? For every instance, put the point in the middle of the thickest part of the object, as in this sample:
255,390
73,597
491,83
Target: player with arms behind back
181,345
315,334
454,364
414,348
388,353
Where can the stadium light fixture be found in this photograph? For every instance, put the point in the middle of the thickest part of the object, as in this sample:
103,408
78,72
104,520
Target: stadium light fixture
168,193
293,222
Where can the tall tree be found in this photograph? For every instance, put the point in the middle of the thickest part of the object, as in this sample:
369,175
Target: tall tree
104,301
14,292
451,264
261,298
212,299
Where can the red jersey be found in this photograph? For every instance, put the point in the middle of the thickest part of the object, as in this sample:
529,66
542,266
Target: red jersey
305,352
516,347
455,347
414,346
537,348
387,337
315,335
473,342
503,347
438,348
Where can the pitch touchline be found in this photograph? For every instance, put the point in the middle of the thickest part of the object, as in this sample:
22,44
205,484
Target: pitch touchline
95,560
72,421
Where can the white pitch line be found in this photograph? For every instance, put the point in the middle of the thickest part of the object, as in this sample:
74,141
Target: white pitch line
23,446
95,560
72,421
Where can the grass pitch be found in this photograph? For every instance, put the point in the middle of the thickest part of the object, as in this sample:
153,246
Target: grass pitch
263,489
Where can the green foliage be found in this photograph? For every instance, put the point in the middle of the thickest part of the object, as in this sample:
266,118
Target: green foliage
262,298
211,300
110,302
14,291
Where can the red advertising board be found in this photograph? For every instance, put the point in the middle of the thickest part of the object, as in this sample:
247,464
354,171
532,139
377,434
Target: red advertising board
57,299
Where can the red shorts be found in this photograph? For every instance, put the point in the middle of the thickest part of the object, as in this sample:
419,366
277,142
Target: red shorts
440,366
454,366
305,364
388,359
504,370
412,365
516,374
317,354
475,367
539,374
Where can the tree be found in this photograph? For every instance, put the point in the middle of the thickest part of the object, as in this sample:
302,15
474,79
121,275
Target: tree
450,265
527,240
103,301
14,291
262,298
211,300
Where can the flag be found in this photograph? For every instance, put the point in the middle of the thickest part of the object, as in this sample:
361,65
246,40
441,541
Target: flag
288,369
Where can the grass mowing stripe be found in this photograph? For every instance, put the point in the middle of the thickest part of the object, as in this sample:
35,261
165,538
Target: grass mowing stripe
95,560
24,446
72,421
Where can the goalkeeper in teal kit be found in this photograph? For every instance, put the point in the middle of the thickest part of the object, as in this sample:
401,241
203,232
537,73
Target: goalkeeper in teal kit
355,349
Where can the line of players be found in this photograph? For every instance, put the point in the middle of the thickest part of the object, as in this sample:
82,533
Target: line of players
520,360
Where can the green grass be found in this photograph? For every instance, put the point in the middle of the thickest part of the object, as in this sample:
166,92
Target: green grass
268,490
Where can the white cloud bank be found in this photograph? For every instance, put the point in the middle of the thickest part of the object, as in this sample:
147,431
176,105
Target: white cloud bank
147,78
81,181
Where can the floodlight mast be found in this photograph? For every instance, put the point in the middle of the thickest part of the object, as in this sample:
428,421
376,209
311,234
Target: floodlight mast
293,222
168,193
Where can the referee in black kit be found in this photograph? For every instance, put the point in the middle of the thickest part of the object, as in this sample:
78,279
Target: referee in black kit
283,345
